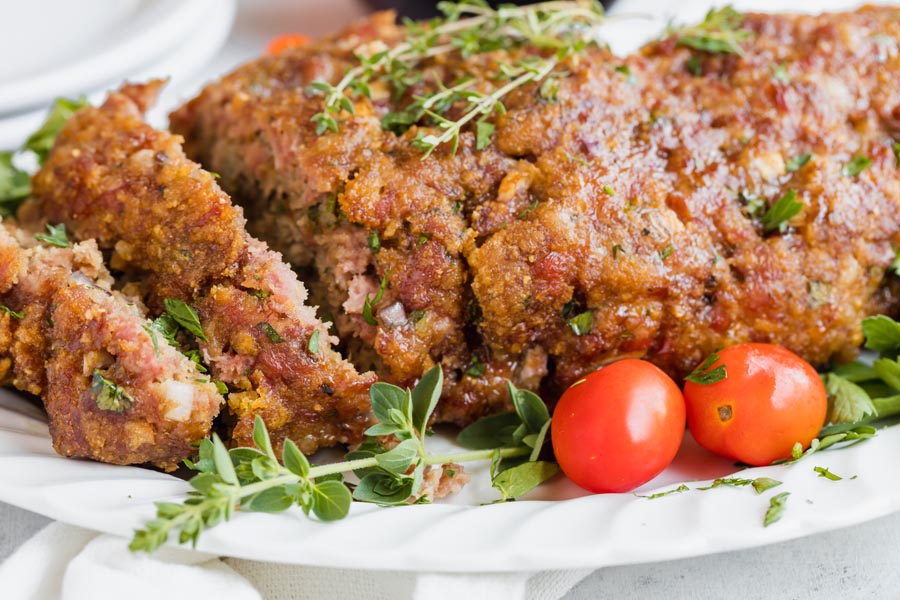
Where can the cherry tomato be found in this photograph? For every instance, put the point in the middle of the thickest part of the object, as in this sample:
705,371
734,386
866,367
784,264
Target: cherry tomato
288,40
769,400
618,427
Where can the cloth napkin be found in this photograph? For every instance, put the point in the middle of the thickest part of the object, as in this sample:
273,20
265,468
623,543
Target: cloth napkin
63,562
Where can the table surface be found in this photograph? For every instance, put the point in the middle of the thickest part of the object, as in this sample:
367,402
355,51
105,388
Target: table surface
858,562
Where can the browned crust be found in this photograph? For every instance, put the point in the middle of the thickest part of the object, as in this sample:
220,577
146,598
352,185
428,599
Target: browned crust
112,177
494,275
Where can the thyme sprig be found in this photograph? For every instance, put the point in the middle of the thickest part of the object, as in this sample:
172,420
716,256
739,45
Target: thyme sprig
468,27
255,480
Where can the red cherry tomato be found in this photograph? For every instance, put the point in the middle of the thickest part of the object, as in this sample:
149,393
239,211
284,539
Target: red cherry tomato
289,40
769,400
618,427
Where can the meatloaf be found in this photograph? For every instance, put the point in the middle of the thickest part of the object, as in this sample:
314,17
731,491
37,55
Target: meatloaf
177,236
620,215
111,394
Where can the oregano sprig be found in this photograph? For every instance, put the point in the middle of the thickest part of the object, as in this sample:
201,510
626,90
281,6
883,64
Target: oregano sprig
390,472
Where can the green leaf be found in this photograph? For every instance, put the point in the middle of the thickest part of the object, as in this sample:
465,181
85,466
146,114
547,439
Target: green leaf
367,314
56,237
313,345
383,429
204,482
272,500
400,458
330,500
798,162
487,433
847,402
784,209
518,481
294,460
583,323
13,314
761,484
270,333
383,488
385,398
185,316
425,396
857,165
889,371
484,131
261,437
727,481
476,367
222,460
41,141
109,396
539,441
374,242
824,472
530,408
705,374
679,490
15,185
882,334
719,33
856,372
776,508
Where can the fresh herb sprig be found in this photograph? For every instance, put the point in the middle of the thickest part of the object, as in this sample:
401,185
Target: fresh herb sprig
719,33
468,27
255,480
15,183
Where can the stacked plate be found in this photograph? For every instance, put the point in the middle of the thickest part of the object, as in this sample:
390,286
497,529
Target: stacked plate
64,48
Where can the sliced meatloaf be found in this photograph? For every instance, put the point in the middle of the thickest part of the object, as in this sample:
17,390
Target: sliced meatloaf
111,393
113,178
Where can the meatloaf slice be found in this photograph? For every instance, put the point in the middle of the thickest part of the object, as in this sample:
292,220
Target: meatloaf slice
111,392
112,177
620,215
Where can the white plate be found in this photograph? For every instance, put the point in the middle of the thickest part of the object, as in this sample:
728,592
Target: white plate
560,531
179,66
95,42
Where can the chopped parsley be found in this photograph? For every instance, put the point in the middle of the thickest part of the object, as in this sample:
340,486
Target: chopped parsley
313,345
798,162
776,508
705,374
824,472
608,190
221,387
56,237
780,74
270,332
476,367
368,303
857,165
108,395
12,313
374,242
679,490
582,323
183,315
616,250
666,252
781,212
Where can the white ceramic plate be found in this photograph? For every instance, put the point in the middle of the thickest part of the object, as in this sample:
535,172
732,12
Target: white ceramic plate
179,65
557,529
95,42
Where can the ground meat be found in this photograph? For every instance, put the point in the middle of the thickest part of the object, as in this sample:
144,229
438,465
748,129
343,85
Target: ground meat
69,339
634,196
113,178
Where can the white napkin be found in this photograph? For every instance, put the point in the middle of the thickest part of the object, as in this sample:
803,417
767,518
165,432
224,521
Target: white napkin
63,562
